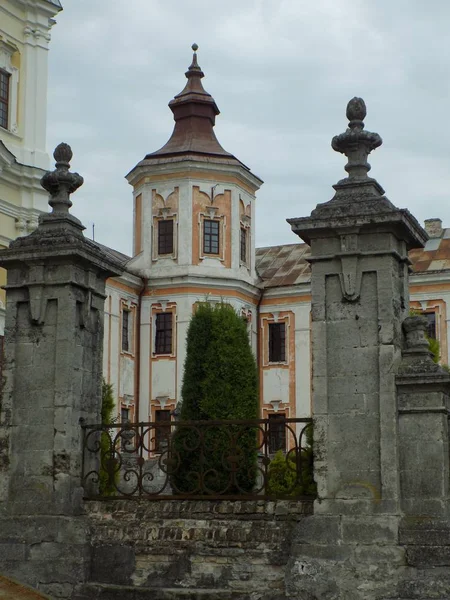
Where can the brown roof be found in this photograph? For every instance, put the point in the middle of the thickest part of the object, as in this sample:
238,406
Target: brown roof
287,265
283,265
435,257
12,590
194,111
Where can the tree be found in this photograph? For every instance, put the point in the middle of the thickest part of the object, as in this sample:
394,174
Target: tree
220,382
107,460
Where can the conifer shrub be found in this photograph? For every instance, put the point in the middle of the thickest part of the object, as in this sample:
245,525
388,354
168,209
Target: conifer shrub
220,383
108,462
283,481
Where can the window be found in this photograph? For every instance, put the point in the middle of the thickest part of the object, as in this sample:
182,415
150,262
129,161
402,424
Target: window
163,337
162,430
4,98
277,342
126,317
165,236
211,237
431,327
243,245
277,433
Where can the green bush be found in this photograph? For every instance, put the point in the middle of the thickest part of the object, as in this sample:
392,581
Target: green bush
220,382
283,480
108,462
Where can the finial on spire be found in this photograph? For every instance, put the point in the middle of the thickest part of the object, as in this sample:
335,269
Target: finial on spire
194,69
356,143
60,183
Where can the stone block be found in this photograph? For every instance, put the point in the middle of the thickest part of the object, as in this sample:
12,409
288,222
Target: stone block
113,563
370,530
318,530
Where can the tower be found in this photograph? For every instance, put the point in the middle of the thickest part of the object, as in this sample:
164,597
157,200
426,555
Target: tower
193,240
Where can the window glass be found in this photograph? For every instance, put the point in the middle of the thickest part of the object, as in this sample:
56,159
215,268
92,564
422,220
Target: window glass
4,98
163,337
243,245
277,433
162,432
431,327
125,330
277,342
165,236
211,237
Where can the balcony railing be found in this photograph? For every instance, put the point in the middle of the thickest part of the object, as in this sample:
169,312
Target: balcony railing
230,459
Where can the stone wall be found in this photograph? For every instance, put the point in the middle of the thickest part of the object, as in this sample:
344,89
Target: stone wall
220,549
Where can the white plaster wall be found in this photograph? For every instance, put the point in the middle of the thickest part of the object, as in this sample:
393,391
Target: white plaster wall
163,378
275,381
276,385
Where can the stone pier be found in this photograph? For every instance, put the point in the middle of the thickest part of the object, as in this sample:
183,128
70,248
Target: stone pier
52,381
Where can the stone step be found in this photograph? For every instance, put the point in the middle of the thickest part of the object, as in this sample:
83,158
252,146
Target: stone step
102,591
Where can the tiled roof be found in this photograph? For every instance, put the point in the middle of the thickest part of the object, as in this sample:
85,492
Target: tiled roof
117,256
287,265
283,265
434,257
10,590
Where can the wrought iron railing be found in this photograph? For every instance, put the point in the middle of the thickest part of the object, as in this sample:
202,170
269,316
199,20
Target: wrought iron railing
232,459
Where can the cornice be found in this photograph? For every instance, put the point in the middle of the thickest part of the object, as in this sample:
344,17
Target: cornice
193,166
225,284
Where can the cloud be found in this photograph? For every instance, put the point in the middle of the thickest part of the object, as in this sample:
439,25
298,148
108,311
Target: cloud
281,72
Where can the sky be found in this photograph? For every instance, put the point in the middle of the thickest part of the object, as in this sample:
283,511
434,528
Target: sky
281,72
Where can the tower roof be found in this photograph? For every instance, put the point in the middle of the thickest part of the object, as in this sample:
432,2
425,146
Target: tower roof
194,111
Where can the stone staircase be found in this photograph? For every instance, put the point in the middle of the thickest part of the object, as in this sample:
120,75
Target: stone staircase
170,550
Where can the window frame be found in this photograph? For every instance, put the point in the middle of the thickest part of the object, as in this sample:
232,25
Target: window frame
162,338
5,101
164,237
277,342
208,237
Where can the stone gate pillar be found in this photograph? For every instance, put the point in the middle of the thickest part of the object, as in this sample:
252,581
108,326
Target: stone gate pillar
52,380
359,243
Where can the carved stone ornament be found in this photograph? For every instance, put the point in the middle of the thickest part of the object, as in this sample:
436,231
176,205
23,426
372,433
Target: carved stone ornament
350,276
212,211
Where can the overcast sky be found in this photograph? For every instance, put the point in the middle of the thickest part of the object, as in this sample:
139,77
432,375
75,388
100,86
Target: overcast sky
281,72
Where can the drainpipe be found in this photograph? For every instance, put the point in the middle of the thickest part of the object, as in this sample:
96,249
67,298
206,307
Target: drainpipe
137,358
258,349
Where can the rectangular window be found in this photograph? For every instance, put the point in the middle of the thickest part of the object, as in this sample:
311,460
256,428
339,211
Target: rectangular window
162,430
211,237
163,337
124,415
126,330
4,98
165,236
277,342
243,245
277,433
431,327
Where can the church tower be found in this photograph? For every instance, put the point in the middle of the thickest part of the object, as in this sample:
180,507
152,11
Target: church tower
193,240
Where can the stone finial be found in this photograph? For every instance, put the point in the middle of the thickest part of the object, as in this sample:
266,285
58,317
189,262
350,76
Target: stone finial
415,328
60,183
356,143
